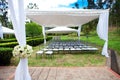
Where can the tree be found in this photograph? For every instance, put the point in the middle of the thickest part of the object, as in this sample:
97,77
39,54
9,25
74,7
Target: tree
115,12
115,15
3,12
91,4
89,27
77,5
32,6
100,4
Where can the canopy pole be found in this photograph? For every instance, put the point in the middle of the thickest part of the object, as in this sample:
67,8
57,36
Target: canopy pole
79,31
43,31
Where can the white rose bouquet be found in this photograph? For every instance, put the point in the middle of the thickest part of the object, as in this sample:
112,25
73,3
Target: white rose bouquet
22,51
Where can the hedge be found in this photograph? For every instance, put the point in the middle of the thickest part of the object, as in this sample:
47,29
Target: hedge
8,40
37,41
10,44
5,56
14,39
32,42
6,49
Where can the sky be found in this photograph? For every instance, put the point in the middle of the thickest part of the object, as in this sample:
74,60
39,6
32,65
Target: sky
47,4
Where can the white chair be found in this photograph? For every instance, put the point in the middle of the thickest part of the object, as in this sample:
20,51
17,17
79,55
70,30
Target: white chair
49,54
40,53
66,50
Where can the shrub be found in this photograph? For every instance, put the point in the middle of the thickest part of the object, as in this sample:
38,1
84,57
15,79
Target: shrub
33,29
35,42
5,56
14,39
7,40
31,41
49,38
10,44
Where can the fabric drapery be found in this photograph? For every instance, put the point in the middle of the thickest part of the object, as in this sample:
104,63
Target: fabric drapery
102,31
18,20
22,70
1,32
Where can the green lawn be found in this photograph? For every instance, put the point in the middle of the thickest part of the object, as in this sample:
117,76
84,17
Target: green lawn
65,60
76,59
113,41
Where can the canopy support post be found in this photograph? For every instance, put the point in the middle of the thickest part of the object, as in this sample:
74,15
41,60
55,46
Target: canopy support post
43,31
79,31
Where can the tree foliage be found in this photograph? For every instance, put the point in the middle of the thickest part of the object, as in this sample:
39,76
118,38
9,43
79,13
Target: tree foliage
3,12
115,13
100,4
32,6
95,4
89,27
33,29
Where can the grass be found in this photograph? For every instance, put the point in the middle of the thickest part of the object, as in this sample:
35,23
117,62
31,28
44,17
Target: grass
76,59
113,40
65,60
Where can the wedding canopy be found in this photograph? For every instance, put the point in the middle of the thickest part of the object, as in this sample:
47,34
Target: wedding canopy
7,30
60,30
56,17
72,17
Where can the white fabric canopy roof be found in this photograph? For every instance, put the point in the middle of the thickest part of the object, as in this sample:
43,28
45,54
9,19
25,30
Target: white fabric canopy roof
61,30
7,30
66,17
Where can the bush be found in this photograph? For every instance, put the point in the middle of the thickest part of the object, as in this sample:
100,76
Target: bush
8,40
33,29
10,44
14,39
31,41
35,42
5,56
49,38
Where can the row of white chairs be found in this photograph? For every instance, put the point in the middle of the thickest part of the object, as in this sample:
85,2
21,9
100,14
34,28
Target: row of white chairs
56,46
71,49
41,53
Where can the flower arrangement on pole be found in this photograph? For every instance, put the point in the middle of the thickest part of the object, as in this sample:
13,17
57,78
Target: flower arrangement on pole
22,51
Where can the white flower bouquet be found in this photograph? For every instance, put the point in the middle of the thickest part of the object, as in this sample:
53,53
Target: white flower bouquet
22,51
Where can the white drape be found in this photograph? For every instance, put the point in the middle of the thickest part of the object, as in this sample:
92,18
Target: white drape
1,31
43,31
79,31
18,20
102,30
